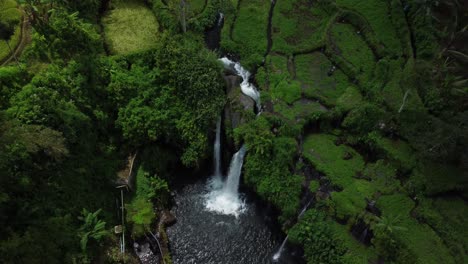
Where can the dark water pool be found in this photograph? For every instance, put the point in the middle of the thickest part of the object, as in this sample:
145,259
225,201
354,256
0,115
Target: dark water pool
205,237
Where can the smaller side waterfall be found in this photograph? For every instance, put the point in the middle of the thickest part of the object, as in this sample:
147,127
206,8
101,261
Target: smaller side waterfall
277,255
220,19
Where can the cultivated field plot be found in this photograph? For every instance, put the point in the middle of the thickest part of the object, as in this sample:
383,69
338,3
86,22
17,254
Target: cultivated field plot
130,27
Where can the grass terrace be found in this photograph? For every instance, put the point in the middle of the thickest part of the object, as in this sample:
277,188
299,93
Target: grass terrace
130,27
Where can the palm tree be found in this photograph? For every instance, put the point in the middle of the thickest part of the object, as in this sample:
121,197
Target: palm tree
390,224
92,227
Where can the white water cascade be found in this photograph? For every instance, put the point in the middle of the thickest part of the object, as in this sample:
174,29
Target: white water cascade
278,253
224,196
226,200
246,87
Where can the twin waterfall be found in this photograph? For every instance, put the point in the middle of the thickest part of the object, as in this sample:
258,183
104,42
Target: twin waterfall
224,195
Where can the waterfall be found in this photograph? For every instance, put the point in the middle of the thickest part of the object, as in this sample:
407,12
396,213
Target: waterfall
220,20
277,255
226,200
304,209
404,101
246,87
217,149
233,179
224,197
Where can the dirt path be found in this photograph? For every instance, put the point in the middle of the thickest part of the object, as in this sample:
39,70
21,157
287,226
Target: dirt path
25,36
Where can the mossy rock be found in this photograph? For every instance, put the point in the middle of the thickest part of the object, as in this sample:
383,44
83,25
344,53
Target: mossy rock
330,159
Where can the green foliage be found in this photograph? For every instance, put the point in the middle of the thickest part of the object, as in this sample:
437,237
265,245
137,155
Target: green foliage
350,45
92,227
314,186
312,70
383,176
376,13
269,162
350,99
12,79
299,26
416,243
445,216
350,202
130,27
321,151
396,150
64,36
248,37
315,233
364,119
179,103
140,211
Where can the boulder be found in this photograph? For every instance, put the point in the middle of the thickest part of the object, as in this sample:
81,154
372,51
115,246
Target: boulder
240,107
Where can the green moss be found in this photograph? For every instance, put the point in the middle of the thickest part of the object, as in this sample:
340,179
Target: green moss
349,45
249,32
398,151
377,14
130,27
298,26
350,99
419,238
315,232
314,186
351,201
9,13
312,71
267,164
196,6
446,216
439,178
356,251
321,151
383,176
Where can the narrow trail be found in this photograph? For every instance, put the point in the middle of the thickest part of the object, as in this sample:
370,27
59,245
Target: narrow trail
25,38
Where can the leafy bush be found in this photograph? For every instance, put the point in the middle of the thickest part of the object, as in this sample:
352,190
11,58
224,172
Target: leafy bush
314,232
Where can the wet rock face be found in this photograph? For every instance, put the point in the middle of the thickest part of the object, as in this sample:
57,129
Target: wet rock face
238,104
